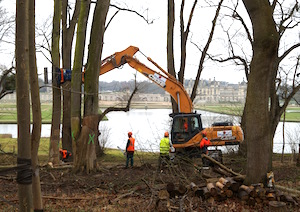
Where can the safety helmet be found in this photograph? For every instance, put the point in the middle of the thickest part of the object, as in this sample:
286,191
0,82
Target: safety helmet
204,133
129,133
166,134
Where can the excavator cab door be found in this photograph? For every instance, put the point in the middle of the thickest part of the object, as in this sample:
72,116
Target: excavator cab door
185,126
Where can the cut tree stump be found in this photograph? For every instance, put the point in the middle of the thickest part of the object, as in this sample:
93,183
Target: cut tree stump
276,206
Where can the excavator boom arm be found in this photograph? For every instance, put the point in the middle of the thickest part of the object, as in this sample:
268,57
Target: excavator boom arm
164,80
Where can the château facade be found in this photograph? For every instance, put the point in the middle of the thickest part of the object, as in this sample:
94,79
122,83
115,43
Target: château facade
208,91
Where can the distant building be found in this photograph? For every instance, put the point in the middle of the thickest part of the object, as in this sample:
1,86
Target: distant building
217,91
208,91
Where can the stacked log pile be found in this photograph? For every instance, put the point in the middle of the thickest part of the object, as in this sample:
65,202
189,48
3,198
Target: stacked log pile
226,188
230,186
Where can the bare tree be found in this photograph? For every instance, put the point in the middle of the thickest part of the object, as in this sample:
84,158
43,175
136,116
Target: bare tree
205,50
170,45
184,33
263,109
86,155
24,177
36,111
56,92
68,33
77,74
272,23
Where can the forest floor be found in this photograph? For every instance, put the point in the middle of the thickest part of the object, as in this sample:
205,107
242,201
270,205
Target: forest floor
114,188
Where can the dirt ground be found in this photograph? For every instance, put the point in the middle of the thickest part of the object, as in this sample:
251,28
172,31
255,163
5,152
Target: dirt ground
114,188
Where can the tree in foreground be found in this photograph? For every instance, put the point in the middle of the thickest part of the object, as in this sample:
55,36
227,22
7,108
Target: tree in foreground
24,177
85,144
36,111
263,109
56,92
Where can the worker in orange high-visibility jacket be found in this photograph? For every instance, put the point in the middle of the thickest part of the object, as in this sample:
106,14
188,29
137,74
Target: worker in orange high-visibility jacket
130,149
64,155
204,143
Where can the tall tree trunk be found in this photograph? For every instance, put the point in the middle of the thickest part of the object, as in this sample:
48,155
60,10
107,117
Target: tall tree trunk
170,46
89,133
56,93
68,30
36,111
263,69
76,73
24,177
66,86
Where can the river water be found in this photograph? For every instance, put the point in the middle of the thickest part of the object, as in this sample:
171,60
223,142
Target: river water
149,125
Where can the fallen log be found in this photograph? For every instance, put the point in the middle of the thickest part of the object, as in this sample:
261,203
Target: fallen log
243,195
253,191
221,186
221,171
249,190
123,196
225,182
287,198
212,189
261,192
221,195
229,193
220,165
206,193
239,178
193,186
234,185
288,190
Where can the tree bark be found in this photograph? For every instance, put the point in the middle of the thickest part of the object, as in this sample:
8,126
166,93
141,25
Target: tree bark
68,30
86,142
263,69
76,73
23,106
56,93
170,46
36,111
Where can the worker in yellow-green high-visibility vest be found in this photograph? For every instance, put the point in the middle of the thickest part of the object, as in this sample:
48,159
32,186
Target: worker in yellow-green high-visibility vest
164,148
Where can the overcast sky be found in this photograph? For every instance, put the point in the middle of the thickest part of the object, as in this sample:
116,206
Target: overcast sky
129,29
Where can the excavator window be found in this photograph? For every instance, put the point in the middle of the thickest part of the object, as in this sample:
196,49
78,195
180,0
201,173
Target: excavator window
194,124
185,126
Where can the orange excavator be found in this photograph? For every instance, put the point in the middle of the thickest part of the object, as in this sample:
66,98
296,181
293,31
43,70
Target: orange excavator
186,132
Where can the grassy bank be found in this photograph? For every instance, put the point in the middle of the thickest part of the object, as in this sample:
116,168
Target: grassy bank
10,146
8,113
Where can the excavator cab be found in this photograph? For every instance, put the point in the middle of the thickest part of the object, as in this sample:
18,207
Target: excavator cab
185,126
